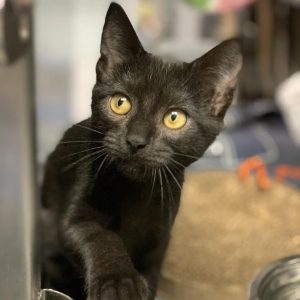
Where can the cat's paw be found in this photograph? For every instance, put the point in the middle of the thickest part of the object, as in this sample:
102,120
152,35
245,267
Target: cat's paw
125,288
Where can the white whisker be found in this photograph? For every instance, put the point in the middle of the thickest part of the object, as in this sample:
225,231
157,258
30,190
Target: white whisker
173,176
99,156
86,150
110,160
177,162
171,198
153,177
88,128
186,155
81,159
161,190
73,142
101,164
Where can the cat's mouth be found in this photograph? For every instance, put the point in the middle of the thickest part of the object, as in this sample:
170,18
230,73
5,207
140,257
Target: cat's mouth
137,160
141,163
138,168
135,171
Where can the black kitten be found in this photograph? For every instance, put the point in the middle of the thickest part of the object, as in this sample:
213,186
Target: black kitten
112,186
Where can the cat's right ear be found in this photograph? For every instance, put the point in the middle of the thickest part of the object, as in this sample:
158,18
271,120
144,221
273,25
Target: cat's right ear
119,42
216,73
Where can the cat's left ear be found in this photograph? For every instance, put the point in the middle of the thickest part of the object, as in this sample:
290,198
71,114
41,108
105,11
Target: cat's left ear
217,73
119,41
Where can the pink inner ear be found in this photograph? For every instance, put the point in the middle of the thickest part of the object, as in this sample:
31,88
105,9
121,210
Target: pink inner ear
218,104
222,99
224,90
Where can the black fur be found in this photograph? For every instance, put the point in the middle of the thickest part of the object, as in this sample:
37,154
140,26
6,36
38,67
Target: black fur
108,214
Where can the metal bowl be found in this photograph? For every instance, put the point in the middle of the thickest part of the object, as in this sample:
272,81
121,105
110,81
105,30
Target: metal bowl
278,281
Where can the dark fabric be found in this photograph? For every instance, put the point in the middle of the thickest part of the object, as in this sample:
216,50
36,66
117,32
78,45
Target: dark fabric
260,132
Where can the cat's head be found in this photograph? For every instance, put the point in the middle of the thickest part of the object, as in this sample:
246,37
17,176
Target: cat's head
153,113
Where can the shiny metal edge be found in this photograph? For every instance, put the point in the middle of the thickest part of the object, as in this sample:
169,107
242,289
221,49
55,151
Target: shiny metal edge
48,294
263,273
3,57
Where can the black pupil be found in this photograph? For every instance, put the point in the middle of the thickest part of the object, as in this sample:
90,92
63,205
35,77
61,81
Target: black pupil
121,101
173,116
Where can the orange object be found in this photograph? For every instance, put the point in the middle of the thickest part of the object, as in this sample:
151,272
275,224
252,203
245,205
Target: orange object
257,165
284,171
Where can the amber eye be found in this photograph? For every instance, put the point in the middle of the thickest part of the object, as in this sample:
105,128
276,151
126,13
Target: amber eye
175,119
120,105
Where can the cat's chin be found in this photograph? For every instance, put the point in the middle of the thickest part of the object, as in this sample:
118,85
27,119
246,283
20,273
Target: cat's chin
135,172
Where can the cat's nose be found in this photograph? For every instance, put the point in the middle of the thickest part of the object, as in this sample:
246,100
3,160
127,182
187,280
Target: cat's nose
136,142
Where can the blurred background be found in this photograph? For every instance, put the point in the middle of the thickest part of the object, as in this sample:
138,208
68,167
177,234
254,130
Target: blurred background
240,204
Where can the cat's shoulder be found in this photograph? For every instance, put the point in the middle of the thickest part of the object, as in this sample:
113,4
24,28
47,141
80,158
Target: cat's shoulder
77,130
73,139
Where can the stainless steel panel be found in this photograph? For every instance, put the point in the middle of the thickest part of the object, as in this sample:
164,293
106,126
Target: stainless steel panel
19,274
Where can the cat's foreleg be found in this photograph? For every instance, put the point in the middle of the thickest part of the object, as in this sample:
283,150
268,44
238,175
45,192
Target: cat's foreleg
108,270
150,264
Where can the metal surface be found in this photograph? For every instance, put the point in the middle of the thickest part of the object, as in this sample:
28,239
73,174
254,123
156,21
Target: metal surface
15,17
48,294
19,274
278,281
